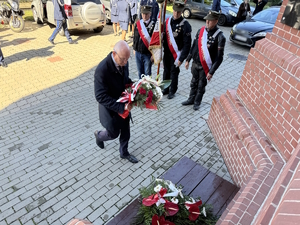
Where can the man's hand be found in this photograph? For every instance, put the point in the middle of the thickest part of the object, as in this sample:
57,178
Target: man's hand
179,63
209,76
151,59
133,52
187,65
128,106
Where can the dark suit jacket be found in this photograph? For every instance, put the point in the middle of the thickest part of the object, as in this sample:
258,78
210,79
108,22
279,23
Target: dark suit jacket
109,84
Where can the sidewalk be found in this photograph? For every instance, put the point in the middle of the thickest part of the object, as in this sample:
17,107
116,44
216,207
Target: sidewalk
51,169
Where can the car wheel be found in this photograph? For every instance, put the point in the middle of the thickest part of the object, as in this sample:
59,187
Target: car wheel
61,32
186,13
222,20
35,16
107,13
98,29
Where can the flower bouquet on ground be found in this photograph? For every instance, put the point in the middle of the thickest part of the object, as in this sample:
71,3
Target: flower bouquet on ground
165,204
144,93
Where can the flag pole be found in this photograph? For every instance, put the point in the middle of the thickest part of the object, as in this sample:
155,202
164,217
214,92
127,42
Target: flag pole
161,26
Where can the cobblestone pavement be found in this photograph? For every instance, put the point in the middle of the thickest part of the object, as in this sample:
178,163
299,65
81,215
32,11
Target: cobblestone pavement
51,169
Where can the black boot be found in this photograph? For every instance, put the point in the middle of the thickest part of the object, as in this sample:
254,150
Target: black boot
188,102
165,91
196,106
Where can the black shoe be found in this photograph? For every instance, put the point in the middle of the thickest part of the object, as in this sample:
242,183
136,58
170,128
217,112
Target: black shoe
98,142
3,64
130,158
171,95
196,107
52,42
72,42
188,102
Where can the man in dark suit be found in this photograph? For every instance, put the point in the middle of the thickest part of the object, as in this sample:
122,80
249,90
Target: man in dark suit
260,4
61,22
111,77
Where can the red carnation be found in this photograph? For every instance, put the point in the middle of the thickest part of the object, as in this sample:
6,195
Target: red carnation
142,91
149,100
150,94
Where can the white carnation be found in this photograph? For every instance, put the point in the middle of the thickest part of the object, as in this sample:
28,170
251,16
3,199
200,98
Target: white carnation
174,200
157,188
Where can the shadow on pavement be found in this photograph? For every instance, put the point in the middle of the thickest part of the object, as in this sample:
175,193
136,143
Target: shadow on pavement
16,41
30,54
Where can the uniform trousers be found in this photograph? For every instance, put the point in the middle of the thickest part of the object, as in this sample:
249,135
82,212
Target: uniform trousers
171,72
198,84
124,133
59,25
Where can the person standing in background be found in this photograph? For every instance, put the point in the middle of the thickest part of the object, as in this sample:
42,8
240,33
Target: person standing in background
243,11
123,8
260,4
132,16
114,16
2,62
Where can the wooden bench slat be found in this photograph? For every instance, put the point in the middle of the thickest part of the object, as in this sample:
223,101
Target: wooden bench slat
207,187
179,170
125,217
228,201
221,195
193,178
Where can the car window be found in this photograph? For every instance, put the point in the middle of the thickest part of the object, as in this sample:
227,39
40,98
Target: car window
224,3
267,16
81,2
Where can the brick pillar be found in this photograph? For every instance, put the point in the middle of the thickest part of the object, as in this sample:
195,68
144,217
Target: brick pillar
257,127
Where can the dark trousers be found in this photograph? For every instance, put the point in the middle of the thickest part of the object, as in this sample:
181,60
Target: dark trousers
108,135
198,84
171,72
1,56
61,24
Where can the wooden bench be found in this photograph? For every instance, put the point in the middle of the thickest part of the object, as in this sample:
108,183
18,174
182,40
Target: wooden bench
197,181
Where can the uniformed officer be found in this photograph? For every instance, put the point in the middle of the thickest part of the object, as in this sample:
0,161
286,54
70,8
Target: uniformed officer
114,16
143,31
132,16
123,8
154,11
2,62
177,44
61,22
207,57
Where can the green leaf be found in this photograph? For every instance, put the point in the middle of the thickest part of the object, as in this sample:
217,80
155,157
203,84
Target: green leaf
165,84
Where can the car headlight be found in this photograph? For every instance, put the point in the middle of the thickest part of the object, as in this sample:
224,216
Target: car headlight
233,28
232,13
260,34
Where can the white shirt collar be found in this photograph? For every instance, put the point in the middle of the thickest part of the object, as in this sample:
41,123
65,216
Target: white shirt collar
116,64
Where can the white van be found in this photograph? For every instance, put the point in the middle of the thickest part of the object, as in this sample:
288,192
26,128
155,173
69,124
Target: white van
82,14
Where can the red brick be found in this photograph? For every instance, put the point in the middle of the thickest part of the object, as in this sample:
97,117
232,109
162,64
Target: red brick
268,215
296,125
294,103
287,136
295,39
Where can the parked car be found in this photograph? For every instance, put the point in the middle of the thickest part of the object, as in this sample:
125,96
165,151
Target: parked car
249,31
200,8
82,14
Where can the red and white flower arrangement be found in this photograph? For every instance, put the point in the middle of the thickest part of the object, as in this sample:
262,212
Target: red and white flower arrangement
144,93
165,204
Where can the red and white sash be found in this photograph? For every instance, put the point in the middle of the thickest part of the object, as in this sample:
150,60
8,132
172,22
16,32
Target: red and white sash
172,43
203,51
143,32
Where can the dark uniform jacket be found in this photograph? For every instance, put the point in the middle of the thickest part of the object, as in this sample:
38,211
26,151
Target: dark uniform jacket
182,34
109,83
215,48
138,44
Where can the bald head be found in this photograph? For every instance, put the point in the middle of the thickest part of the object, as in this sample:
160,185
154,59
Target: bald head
121,53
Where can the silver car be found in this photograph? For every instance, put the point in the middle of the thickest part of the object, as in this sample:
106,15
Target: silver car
82,14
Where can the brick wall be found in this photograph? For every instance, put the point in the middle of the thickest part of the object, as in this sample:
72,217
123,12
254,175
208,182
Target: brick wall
257,129
270,87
